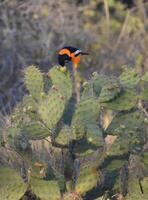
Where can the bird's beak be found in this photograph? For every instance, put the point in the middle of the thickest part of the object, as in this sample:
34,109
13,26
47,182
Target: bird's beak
84,53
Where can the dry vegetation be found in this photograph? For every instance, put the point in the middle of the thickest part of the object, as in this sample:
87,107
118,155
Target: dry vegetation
31,32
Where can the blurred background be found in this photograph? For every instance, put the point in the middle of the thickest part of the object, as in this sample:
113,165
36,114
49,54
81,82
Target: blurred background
114,32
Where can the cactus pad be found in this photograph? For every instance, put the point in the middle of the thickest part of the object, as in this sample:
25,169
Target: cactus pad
87,179
94,135
98,81
45,190
130,122
83,148
12,186
119,147
29,103
35,130
144,95
64,136
134,190
145,77
145,158
109,91
34,81
126,101
86,112
129,78
131,130
62,81
52,108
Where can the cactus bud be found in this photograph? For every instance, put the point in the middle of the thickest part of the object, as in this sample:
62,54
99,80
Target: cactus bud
63,69
55,87
95,73
85,84
62,97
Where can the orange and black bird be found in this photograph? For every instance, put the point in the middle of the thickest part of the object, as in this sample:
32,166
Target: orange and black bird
70,54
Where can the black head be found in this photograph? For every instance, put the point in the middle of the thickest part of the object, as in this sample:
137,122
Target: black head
63,59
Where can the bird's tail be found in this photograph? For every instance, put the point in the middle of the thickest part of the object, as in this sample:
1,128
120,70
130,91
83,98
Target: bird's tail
84,53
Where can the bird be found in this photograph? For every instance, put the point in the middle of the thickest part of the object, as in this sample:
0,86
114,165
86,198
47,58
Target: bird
70,54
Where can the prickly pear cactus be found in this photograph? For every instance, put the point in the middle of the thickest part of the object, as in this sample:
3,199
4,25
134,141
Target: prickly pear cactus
35,130
52,108
144,92
94,135
34,81
132,122
109,91
138,189
61,81
83,148
126,101
98,81
87,179
129,78
12,186
45,189
86,112
64,152
65,136
144,95
145,77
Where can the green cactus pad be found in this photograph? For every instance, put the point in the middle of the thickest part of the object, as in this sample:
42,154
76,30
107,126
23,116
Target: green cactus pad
127,123
12,186
145,158
62,81
29,107
12,132
86,112
94,135
52,108
18,114
83,148
98,81
144,95
126,101
47,83
45,190
29,103
92,159
109,91
145,77
34,81
119,147
25,111
35,130
134,191
61,183
131,132
129,78
87,179
64,136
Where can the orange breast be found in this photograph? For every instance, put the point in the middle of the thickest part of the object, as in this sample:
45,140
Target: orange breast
75,61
